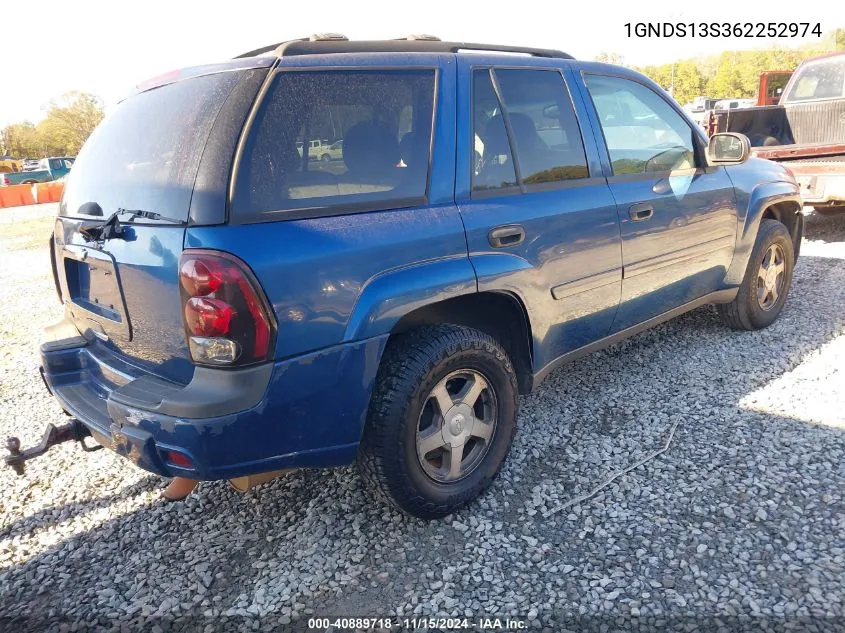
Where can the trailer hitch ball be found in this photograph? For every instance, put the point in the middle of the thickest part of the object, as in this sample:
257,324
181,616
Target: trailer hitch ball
13,445
74,430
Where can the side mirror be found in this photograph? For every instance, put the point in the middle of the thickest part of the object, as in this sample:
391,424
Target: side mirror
728,148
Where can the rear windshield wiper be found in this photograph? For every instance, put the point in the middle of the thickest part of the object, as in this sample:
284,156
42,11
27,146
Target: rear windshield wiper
147,215
111,228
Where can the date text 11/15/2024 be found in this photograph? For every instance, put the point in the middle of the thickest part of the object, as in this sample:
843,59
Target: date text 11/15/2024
417,623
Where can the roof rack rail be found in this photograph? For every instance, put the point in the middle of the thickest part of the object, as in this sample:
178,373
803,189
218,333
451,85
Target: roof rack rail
334,43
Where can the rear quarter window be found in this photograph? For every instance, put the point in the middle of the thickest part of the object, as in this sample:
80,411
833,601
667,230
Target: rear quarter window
326,142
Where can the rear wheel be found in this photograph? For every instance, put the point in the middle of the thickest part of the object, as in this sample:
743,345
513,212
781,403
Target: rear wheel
441,421
768,277
325,158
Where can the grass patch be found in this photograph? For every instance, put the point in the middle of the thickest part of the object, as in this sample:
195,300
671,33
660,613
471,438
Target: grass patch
22,235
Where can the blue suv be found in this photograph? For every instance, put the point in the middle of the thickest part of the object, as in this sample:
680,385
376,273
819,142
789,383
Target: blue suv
235,305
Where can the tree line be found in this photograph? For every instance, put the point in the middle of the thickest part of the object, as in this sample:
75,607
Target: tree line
731,74
68,123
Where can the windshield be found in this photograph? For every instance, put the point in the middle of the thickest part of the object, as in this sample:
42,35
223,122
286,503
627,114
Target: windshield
145,154
822,79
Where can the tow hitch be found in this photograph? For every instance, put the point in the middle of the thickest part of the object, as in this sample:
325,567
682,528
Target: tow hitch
53,435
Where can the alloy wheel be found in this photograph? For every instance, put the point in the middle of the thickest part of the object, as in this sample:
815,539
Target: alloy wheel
771,278
456,426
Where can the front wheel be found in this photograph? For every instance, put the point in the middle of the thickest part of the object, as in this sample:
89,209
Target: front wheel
768,277
442,418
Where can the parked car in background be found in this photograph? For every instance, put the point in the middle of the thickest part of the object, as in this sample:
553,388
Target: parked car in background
9,165
232,309
317,149
805,131
700,104
48,169
770,86
733,104
698,107
335,151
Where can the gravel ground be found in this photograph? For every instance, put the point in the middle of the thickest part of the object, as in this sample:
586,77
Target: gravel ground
737,525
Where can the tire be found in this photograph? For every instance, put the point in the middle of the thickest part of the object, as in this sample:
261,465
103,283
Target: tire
747,311
826,211
413,365
325,158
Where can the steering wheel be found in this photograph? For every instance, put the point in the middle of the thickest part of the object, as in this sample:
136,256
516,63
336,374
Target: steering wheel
655,161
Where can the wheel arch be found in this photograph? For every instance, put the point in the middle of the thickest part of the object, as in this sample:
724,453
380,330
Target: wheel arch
499,314
788,213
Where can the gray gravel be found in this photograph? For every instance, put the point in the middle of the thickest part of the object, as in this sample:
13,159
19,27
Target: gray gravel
739,523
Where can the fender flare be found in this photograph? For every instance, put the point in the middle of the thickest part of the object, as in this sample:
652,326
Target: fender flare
391,295
763,196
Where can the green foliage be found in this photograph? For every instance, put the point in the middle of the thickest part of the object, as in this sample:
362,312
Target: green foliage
68,124
731,74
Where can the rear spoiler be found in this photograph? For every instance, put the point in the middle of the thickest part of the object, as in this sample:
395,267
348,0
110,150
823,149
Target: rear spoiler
206,69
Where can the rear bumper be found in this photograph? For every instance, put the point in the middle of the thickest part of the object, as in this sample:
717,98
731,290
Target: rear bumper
821,182
307,411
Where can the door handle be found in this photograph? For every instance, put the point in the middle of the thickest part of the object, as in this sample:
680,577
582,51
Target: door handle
641,211
508,235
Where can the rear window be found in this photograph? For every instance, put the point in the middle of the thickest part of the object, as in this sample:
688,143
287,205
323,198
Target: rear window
344,140
146,153
823,79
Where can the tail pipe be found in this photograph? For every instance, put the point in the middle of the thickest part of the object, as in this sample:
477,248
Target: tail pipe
73,430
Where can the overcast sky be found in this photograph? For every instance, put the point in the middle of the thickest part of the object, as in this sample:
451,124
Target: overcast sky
51,47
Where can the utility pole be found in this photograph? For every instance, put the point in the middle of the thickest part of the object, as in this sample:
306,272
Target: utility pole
672,86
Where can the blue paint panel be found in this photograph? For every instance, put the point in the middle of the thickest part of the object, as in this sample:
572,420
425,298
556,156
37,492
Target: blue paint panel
316,273
684,250
311,416
147,269
572,235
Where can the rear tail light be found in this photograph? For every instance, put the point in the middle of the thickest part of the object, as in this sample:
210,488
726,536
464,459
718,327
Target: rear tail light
227,318
6,180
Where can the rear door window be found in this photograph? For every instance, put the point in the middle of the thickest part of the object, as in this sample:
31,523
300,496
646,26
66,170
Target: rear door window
531,115
545,130
337,141
493,166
